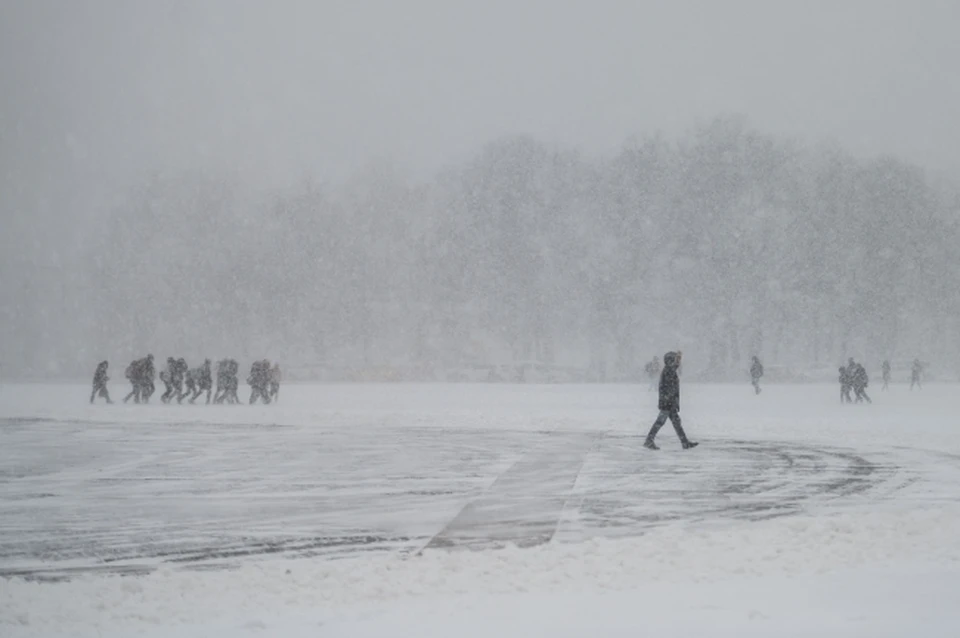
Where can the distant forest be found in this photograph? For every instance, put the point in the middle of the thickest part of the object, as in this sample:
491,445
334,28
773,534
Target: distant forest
725,243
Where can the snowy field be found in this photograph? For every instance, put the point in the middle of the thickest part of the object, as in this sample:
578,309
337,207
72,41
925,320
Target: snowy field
481,510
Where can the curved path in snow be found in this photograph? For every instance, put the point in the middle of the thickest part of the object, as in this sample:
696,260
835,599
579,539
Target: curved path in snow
82,497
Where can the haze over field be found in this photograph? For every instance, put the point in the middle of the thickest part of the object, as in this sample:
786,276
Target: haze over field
343,184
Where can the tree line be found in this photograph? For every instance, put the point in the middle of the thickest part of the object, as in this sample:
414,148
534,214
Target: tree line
725,243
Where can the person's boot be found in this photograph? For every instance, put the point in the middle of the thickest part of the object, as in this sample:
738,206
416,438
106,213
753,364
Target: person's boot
689,444
650,445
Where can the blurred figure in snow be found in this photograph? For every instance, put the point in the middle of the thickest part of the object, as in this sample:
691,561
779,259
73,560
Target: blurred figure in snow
886,374
915,373
845,386
653,371
756,371
100,379
200,380
134,374
275,378
147,374
259,381
166,375
859,380
669,403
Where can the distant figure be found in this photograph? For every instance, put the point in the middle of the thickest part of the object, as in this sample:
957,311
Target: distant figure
100,379
916,372
858,380
846,384
259,381
179,377
886,374
756,371
166,375
133,377
147,374
232,382
200,380
669,403
275,377
140,375
653,372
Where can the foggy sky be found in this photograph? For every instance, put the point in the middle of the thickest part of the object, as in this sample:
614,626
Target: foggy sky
94,93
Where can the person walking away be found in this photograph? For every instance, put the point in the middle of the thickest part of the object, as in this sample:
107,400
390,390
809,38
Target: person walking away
915,373
233,382
133,375
166,375
756,371
100,379
860,383
190,382
669,403
275,377
886,374
179,376
845,386
148,374
203,381
258,380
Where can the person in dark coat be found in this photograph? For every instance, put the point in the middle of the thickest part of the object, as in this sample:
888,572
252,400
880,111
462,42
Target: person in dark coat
756,371
134,374
860,381
259,381
200,380
669,403
147,374
846,385
915,373
886,374
180,369
100,379
166,376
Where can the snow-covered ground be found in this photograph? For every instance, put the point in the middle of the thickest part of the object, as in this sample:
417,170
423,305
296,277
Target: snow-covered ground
481,510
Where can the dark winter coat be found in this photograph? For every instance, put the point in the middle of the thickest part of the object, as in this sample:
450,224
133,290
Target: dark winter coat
670,384
205,378
100,377
756,370
860,378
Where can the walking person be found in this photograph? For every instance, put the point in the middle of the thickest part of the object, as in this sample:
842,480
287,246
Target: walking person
886,375
275,377
202,381
756,371
845,386
100,379
860,383
915,373
669,403
134,374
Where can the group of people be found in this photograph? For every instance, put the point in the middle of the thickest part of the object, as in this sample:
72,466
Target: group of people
183,382
854,377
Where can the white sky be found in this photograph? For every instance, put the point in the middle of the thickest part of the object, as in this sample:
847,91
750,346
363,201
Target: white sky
93,92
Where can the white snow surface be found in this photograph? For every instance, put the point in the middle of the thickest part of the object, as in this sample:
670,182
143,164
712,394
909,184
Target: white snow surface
481,510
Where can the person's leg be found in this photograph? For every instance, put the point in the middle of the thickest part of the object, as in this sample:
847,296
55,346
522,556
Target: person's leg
678,426
652,434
